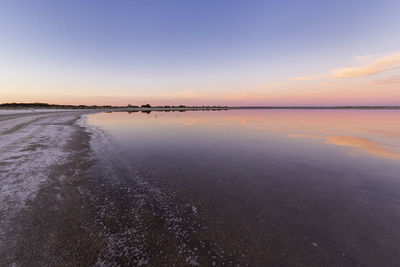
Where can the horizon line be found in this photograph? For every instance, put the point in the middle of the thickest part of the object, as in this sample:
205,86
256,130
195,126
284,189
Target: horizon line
148,106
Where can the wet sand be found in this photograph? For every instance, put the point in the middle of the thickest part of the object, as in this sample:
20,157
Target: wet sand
51,224
97,208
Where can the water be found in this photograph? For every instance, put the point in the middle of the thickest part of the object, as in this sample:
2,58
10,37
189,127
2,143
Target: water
252,187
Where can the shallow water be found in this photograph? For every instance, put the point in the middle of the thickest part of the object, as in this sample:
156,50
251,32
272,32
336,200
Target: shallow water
252,187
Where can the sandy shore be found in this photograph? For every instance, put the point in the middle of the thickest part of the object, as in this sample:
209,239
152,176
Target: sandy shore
44,217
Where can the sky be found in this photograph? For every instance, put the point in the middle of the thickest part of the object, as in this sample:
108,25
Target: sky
238,53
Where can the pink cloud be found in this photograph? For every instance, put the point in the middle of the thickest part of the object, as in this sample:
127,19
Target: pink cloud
379,65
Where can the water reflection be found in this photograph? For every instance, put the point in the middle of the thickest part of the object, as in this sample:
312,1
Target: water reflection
367,146
298,187
360,132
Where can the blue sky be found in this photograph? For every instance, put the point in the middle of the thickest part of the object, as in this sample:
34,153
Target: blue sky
192,51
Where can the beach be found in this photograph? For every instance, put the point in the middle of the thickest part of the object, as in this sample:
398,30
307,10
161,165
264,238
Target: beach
43,215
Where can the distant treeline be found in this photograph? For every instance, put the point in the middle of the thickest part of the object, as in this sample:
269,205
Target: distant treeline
146,106
180,107
45,105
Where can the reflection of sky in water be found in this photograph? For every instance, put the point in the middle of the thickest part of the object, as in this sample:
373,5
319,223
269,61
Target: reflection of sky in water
273,178
309,133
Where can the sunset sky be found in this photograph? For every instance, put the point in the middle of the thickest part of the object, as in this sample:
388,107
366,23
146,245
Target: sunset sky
200,52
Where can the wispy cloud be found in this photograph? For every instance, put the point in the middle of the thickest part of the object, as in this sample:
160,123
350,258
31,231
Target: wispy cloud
245,95
366,59
188,94
379,65
272,85
390,80
311,78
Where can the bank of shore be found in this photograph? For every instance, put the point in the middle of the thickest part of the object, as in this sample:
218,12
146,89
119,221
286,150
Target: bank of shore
46,217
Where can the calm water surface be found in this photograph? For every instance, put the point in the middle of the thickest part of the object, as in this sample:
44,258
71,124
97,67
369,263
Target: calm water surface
252,187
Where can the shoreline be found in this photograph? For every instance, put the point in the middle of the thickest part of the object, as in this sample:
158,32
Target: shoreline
148,110
60,108
54,218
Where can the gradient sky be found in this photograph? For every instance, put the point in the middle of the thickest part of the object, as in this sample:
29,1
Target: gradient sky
200,52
